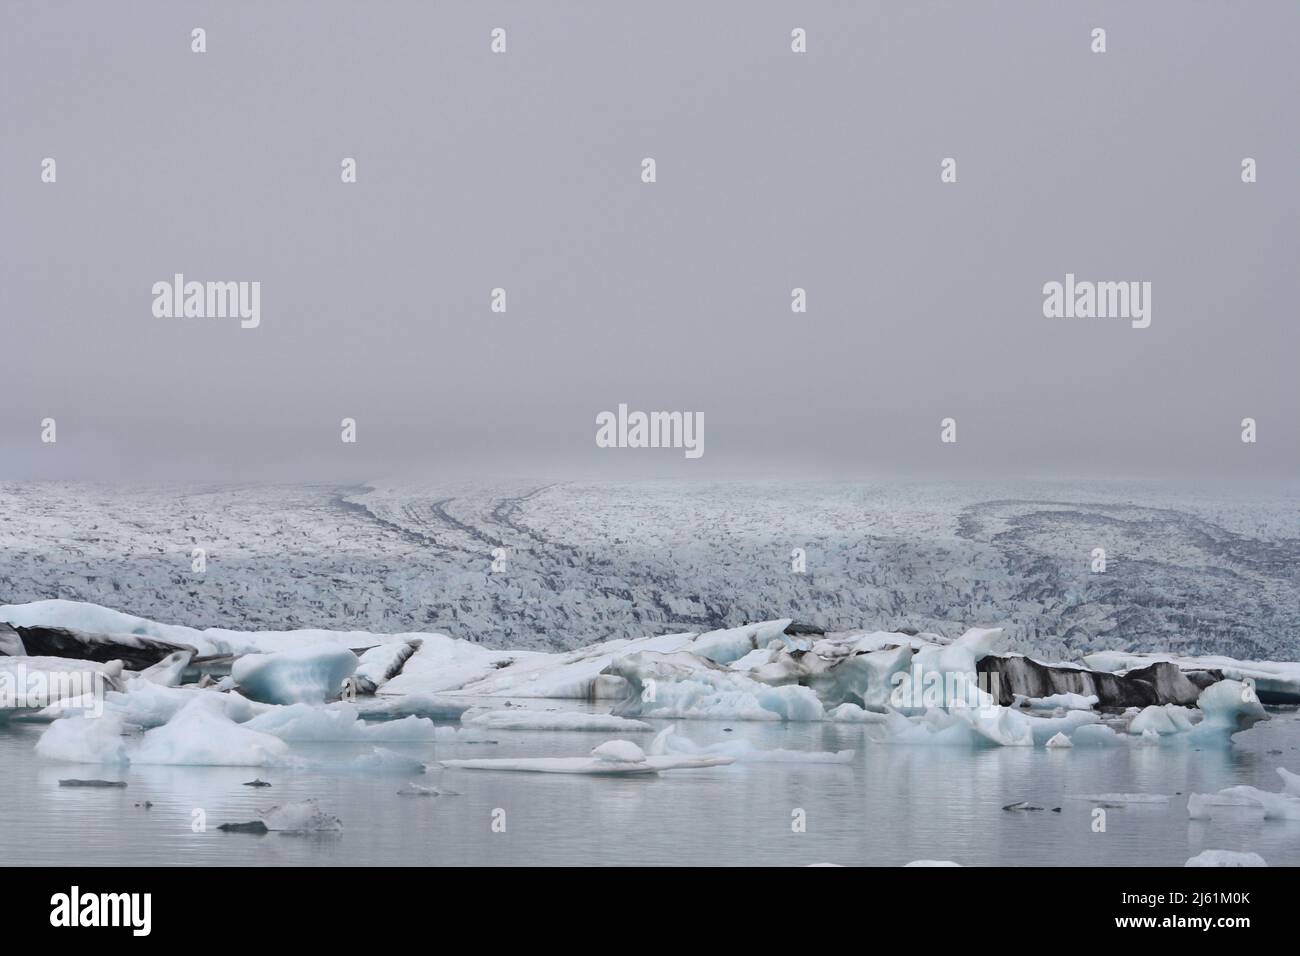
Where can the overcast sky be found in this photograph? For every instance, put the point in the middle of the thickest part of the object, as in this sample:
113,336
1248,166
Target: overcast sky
523,171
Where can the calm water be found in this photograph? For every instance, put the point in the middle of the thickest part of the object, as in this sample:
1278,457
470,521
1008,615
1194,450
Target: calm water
891,805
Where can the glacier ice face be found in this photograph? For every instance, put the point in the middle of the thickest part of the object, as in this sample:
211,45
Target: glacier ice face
301,675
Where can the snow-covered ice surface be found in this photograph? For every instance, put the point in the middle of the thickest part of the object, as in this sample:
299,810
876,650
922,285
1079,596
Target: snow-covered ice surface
1189,570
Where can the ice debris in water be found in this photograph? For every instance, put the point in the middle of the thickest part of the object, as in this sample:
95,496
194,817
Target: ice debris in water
304,816
1226,858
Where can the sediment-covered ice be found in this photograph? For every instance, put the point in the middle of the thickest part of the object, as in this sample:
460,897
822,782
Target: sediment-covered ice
1275,682
301,675
1059,701
381,663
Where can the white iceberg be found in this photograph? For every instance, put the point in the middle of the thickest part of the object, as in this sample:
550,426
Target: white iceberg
81,739
620,751
338,722
201,735
1163,720
301,675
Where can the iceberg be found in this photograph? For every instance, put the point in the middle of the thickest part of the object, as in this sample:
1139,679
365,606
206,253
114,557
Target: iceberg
81,739
1229,706
302,675
201,735
681,684
1162,720
338,722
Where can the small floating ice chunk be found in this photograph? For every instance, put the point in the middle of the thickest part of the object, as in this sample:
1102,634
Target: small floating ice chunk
621,751
304,816
932,863
1095,735
1163,720
1226,858
1059,742
552,720
299,675
852,713
1290,781
413,789
381,760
